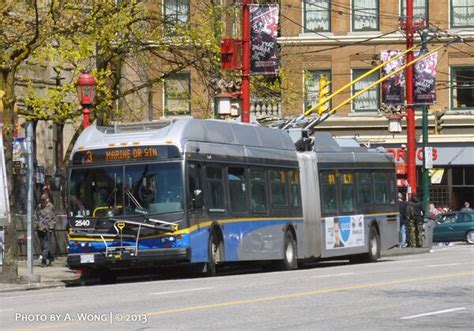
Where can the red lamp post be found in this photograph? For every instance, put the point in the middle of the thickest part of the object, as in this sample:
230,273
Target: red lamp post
85,85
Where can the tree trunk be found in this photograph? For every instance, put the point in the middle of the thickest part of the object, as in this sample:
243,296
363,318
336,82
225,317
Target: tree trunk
10,263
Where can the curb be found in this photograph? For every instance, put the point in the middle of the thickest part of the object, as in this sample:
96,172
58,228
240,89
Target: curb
31,287
405,251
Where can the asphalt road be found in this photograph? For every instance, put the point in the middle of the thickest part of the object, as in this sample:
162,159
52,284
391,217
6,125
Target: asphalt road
426,291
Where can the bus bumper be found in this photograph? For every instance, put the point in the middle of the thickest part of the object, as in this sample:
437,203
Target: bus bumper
125,259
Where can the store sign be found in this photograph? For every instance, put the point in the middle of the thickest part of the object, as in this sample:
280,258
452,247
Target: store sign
399,153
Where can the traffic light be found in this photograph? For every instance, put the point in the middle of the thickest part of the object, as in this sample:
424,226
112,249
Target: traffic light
439,121
323,93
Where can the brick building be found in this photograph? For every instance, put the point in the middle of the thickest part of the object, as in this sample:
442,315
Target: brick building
343,39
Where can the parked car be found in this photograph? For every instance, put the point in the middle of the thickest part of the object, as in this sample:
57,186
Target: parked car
454,226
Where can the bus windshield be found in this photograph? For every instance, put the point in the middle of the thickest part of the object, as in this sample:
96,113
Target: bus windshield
131,190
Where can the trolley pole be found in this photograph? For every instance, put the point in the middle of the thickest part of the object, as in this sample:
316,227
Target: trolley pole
246,61
410,111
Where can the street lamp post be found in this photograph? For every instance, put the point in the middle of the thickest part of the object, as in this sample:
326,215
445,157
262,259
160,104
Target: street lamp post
85,85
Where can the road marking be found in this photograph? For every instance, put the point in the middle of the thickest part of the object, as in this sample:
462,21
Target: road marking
302,294
273,298
181,291
442,265
333,275
3,310
433,313
406,261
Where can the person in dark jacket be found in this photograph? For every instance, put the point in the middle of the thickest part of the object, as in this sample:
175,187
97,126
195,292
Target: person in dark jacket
402,205
45,223
415,222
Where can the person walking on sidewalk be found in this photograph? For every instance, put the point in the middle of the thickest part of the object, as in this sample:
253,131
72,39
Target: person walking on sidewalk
45,224
467,207
402,205
415,221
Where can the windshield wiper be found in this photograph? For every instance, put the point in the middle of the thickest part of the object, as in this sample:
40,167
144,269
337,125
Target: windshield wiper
158,224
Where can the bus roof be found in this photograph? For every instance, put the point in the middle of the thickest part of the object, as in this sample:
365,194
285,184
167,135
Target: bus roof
347,150
181,131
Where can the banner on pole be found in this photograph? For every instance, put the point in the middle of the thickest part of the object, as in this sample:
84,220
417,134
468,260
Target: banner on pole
393,89
425,79
263,35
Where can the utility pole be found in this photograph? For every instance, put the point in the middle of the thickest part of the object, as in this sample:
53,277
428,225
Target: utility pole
427,157
246,61
410,111
31,278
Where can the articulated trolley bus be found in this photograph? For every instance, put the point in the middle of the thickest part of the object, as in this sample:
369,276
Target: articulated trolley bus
209,192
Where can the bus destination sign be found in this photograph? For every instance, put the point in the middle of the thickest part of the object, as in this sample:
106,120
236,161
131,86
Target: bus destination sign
135,153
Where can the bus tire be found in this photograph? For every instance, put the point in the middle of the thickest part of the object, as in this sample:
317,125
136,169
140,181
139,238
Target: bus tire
215,252
374,246
290,257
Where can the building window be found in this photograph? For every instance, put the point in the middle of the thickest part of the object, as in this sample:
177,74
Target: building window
368,101
365,15
176,13
178,94
462,88
312,87
420,9
462,13
317,15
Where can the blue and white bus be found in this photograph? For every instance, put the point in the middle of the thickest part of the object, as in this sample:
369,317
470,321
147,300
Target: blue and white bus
208,192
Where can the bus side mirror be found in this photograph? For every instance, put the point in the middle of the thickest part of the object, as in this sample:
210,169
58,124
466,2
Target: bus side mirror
198,201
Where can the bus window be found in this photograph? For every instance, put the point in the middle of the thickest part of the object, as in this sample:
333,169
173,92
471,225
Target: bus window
329,193
195,194
215,189
347,192
279,191
153,188
295,191
258,192
364,184
381,187
237,190
96,192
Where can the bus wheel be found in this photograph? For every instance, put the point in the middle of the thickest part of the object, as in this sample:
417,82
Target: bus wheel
290,261
215,253
108,277
374,246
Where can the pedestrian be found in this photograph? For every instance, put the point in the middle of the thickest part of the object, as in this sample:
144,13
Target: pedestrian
467,207
415,221
45,223
402,205
433,212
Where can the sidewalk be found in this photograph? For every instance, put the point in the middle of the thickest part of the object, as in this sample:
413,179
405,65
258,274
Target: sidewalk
59,275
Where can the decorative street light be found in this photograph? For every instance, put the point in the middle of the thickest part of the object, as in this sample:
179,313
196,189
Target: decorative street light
86,91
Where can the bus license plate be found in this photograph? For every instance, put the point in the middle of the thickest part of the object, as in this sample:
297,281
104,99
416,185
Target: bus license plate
87,258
